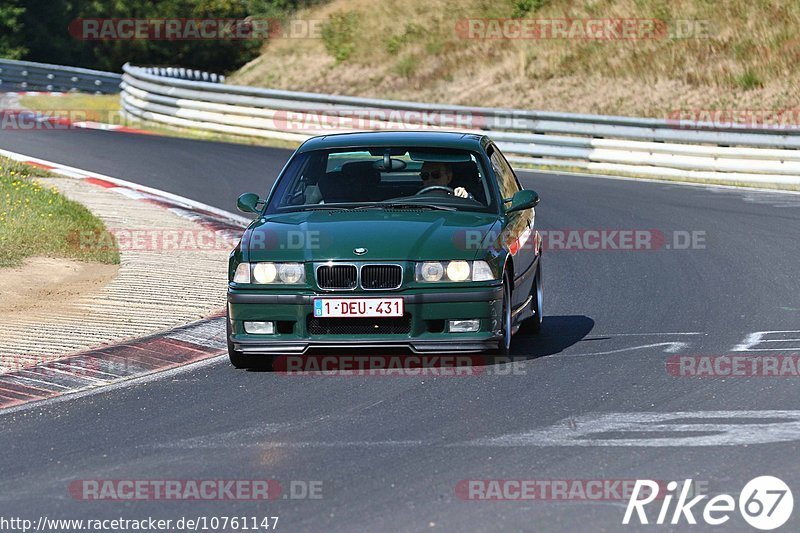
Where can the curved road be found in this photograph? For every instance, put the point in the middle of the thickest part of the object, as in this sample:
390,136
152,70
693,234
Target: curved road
390,451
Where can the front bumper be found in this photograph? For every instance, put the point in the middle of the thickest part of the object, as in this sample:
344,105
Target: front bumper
427,314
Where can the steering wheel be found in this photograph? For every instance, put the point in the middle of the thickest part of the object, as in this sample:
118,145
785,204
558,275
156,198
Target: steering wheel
448,190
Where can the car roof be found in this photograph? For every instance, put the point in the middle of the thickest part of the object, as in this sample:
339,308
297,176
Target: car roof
421,139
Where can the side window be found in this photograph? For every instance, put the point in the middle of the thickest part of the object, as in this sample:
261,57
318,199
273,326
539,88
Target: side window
506,179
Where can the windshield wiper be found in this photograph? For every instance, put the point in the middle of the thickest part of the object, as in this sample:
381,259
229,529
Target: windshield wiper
376,205
405,205
328,207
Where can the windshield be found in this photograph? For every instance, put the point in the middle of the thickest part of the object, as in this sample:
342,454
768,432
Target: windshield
382,178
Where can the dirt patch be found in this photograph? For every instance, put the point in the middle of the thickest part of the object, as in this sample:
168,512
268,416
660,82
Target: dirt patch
44,282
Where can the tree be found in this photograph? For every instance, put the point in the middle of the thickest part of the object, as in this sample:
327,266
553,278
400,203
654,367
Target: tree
48,39
11,30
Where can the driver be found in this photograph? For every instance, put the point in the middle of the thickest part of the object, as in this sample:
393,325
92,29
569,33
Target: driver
440,174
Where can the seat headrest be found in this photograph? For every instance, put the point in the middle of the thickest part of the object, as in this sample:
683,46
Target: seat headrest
465,172
361,172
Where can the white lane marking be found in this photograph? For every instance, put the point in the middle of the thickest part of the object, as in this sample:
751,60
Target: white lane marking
232,439
600,335
758,337
672,347
117,384
81,173
210,442
336,444
593,430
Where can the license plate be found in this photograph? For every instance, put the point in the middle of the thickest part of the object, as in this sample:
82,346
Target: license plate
358,307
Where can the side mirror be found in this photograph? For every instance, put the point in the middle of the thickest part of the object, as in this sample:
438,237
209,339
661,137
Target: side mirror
248,202
523,200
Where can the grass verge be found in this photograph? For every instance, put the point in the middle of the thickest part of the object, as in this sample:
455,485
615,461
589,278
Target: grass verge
106,109
36,220
77,107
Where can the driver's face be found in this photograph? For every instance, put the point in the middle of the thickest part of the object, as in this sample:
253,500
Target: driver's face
435,174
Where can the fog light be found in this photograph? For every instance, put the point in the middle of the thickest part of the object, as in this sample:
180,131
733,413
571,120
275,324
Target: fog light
260,328
464,326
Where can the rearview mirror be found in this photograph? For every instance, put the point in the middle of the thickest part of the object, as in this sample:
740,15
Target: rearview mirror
248,202
522,200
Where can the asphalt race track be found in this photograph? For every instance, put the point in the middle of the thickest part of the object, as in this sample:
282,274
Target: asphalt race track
390,451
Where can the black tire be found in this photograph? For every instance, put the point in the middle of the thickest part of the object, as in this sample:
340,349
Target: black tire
534,324
237,358
504,348
241,360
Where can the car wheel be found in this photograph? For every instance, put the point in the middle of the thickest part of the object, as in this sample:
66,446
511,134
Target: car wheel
505,327
535,322
241,360
238,359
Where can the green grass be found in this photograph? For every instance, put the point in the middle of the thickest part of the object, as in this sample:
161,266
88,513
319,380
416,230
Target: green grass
525,7
749,80
105,108
36,220
78,107
339,34
406,66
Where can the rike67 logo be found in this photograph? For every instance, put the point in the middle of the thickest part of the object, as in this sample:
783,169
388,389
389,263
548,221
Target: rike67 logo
765,503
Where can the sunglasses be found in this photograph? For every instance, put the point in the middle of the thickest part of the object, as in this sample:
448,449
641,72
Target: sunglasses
426,176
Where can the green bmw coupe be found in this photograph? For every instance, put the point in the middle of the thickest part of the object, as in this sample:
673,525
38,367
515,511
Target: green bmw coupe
418,240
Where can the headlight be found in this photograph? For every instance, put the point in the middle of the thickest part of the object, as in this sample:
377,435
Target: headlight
292,273
242,274
432,271
270,273
458,270
481,271
264,273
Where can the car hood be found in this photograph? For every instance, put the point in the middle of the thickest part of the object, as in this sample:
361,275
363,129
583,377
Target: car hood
386,235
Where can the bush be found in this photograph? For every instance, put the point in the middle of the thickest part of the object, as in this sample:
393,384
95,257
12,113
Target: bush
338,35
749,80
523,7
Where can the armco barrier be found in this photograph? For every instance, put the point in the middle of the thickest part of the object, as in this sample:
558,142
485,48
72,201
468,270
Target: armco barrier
28,76
654,147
